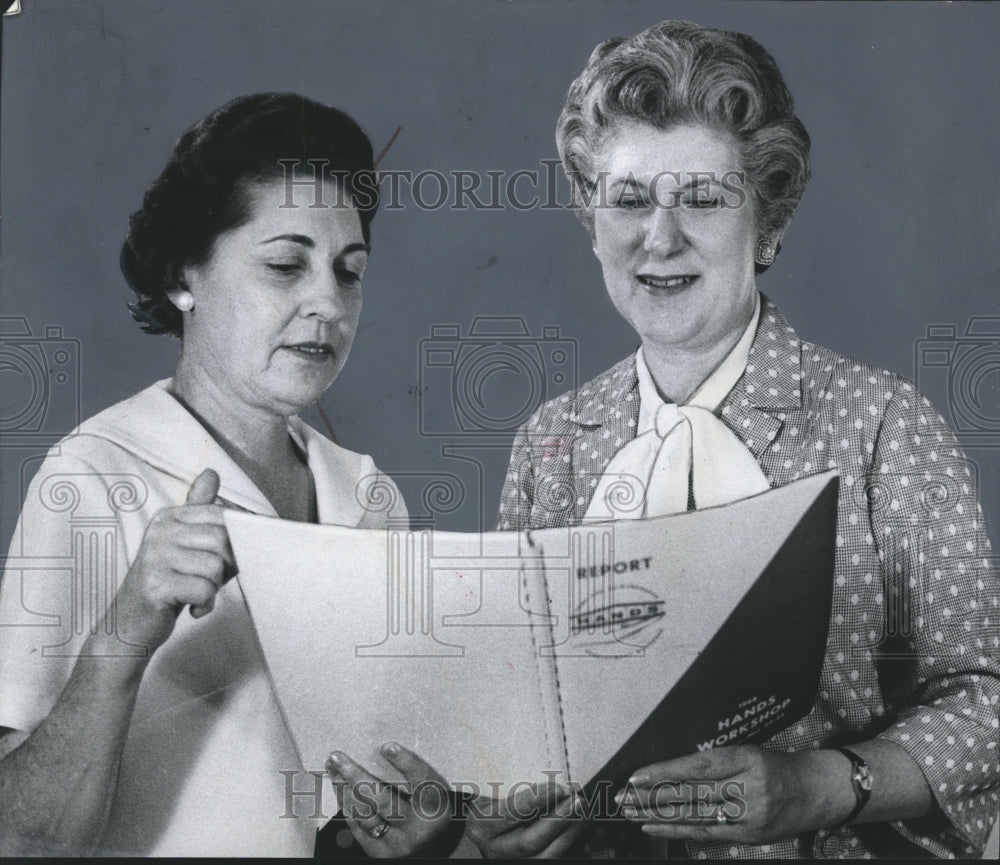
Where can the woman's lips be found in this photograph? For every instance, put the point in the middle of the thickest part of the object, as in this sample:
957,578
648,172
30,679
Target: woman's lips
314,351
666,284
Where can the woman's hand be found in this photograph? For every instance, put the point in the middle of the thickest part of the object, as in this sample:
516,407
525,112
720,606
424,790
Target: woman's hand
538,823
761,795
413,819
184,559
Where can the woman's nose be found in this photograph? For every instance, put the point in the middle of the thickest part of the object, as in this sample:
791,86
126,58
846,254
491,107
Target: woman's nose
323,297
664,236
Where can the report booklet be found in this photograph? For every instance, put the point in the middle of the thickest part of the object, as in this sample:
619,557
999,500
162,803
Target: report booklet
572,653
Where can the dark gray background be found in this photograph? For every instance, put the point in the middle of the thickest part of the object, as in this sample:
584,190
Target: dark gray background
898,229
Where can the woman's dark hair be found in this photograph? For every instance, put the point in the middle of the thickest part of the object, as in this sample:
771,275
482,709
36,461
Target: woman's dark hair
202,190
679,72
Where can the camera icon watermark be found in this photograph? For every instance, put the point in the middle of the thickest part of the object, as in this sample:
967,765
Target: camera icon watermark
968,365
40,380
491,380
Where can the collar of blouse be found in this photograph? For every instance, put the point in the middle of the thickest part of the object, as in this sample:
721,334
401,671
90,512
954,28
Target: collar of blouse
157,429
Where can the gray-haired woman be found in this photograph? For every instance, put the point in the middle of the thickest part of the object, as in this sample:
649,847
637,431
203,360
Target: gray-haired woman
688,162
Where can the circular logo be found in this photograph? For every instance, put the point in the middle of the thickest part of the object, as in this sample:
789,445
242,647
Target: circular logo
621,620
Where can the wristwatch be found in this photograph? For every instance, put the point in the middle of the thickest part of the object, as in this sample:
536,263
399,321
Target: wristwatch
862,779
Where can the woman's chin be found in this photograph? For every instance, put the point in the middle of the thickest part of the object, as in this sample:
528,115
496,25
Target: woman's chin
292,398
676,327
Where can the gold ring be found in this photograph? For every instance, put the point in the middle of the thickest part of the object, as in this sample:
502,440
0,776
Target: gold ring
720,816
379,830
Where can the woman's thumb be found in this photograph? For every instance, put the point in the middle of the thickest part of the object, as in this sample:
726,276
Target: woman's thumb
204,489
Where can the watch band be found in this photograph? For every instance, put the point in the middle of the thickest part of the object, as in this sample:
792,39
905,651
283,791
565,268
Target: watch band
861,779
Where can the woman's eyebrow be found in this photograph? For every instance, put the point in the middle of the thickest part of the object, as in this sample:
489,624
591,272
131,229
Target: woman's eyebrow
626,180
356,247
695,178
295,238
308,242
700,178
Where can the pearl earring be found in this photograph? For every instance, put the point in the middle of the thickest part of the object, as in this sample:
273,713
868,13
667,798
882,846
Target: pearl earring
765,253
184,301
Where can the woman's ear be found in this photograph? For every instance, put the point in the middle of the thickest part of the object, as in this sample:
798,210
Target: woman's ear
765,251
182,299
767,248
181,296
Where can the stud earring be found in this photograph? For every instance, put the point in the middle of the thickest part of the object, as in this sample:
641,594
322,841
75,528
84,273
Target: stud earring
184,301
765,253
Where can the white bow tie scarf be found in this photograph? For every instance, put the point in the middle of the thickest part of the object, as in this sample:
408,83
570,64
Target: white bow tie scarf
680,444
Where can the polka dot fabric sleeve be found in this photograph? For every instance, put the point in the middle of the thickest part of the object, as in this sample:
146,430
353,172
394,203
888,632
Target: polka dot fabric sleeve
938,570
517,494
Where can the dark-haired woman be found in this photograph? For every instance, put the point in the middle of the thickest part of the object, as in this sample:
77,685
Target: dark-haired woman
129,726
688,162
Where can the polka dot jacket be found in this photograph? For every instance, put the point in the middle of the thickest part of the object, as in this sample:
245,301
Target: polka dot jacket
913,652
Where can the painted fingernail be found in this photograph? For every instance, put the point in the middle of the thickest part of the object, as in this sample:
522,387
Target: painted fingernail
390,749
336,759
619,796
640,778
629,811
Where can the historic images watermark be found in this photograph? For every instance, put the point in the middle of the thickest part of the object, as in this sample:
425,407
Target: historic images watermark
544,187
306,795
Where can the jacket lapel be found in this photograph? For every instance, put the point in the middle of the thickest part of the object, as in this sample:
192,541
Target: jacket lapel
605,419
769,389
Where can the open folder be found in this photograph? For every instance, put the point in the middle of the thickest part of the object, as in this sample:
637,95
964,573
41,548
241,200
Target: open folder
574,653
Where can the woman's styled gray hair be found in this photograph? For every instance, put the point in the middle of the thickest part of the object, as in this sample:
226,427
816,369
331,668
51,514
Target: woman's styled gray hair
680,72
